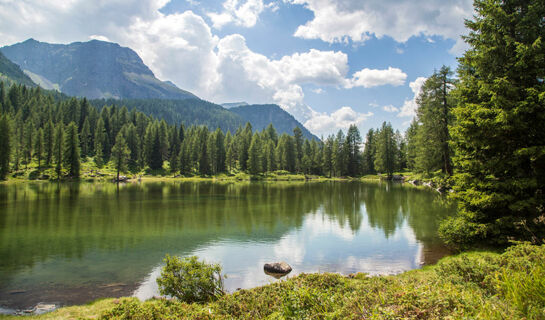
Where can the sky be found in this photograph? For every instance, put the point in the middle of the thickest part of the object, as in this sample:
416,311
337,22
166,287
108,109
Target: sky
330,63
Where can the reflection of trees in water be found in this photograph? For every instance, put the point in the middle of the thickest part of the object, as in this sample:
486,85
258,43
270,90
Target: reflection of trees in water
40,220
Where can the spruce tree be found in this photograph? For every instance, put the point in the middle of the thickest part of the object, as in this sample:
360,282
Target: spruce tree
39,148
386,150
58,146
254,156
498,136
71,156
120,154
5,146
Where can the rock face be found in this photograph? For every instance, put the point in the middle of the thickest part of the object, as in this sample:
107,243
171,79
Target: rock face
93,69
277,268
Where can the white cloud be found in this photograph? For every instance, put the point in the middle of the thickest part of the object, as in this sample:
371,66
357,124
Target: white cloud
323,123
181,47
356,20
240,13
98,37
369,78
318,90
390,108
410,106
245,72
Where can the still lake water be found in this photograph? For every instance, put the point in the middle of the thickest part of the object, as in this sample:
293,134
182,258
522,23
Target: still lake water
72,243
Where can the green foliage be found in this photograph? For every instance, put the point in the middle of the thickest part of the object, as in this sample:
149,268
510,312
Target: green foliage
190,280
71,156
120,154
429,134
386,150
477,285
498,136
5,146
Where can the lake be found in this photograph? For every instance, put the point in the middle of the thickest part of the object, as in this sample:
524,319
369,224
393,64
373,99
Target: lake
71,243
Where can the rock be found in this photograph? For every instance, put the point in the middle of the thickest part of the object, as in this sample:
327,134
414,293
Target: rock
398,178
277,269
43,308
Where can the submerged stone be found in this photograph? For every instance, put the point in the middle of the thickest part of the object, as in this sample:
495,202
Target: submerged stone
277,269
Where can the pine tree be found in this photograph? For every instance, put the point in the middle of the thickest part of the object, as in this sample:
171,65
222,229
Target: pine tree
85,138
71,156
298,140
100,142
28,142
120,154
58,146
39,148
353,143
386,150
5,146
435,116
254,156
327,158
49,135
369,152
498,136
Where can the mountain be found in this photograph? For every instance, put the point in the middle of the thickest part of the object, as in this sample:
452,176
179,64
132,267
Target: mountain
94,69
261,115
11,73
188,111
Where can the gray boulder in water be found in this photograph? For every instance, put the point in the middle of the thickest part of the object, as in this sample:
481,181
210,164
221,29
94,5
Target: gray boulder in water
279,268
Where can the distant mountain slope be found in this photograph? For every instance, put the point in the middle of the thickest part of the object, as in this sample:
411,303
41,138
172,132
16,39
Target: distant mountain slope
261,115
11,73
188,111
94,69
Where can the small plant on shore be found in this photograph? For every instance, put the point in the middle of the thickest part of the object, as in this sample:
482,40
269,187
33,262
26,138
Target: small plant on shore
191,280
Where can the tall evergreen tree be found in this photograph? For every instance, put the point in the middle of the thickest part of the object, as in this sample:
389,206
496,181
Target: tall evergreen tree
434,114
100,142
120,154
353,144
498,136
386,150
49,135
71,155
5,146
58,146
85,138
39,147
254,155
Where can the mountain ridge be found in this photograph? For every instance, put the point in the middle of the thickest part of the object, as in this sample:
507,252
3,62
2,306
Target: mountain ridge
94,69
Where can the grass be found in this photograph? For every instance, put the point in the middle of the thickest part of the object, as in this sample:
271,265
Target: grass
474,285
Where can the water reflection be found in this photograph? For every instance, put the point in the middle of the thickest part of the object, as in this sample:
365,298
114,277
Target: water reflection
71,243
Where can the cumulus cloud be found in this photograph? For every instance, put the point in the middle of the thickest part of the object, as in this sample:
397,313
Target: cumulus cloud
238,12
181,47
323,123
245,71
369,78
409,106
356,20
390,108
318,90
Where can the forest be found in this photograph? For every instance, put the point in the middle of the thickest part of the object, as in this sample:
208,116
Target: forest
481,131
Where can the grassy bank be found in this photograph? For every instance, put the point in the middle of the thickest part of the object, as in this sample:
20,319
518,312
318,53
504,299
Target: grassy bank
474,285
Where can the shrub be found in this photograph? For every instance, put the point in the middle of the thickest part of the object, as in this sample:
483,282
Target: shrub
191,280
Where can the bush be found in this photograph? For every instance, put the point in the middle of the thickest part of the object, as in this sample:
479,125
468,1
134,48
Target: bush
191,280
521,279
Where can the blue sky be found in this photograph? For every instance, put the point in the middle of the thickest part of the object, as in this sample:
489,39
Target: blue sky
330,63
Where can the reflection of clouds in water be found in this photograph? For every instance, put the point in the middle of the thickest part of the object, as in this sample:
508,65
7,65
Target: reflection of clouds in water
290,248
320,245
320,224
